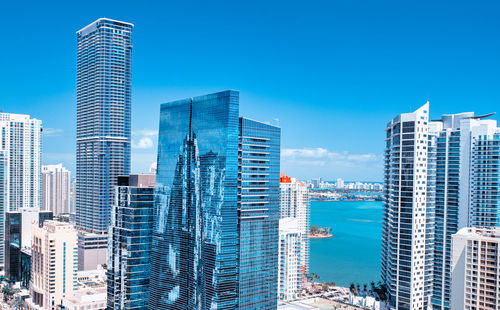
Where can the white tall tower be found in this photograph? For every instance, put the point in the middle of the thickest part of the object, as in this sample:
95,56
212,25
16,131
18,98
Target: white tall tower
294,203
20,138
20,153
56,189
404,237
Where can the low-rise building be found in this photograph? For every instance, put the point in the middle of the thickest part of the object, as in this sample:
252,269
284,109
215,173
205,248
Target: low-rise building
475,268
54,265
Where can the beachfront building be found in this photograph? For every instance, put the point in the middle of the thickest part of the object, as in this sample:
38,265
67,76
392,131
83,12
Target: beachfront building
475,269
406,243
55,193
458,170
289,259
54,265
467,187
216,213
129,243
294,203
103,94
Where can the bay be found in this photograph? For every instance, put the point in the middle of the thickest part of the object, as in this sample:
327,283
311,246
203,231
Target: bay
353,254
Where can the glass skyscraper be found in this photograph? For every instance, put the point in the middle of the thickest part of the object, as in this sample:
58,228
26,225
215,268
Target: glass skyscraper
194,260
258,206
129,246
103,128
217,190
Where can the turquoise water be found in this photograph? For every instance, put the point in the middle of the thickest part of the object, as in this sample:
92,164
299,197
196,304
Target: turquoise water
353,254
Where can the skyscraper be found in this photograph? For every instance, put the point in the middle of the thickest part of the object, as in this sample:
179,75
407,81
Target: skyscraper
289,271
56,189
20,154
103,129
465,161
198,247
458,169
258,220
130,243
405,239
294,203
194,260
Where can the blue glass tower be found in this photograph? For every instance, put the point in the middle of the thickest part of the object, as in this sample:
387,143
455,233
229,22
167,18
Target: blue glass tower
129,246
258,205
215,236
194,259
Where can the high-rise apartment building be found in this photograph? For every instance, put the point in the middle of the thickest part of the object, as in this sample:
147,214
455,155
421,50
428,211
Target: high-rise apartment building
405,239
290,272
466,182
475,269
294,203
258,209
54,264
103,129
129,251
55,184
462,177
20,164
21,140
216,199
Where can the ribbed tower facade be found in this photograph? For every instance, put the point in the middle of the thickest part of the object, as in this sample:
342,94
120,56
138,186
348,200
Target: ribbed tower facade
103,127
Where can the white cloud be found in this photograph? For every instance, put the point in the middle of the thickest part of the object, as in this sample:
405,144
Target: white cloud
144,143
145,132
52,132
321,155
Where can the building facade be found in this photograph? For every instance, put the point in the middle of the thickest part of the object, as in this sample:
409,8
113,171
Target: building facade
458,170
194,259
294,203
103,127
55,193
289,268
129,253
466,180
216,200
258,209
20,164
54,265
475,269
18,231
405,240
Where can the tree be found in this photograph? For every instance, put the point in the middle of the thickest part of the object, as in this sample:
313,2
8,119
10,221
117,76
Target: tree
8,292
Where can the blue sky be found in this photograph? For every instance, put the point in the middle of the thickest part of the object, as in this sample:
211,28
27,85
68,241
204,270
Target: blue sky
332,72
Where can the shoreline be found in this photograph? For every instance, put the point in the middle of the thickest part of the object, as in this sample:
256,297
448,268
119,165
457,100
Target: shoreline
317,236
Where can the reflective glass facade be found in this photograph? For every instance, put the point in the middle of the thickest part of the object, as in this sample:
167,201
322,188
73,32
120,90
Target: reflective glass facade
129,247
258,204
194,260
446,212
486,182
103,119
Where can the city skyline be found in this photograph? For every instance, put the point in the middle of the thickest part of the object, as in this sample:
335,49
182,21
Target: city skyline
316,73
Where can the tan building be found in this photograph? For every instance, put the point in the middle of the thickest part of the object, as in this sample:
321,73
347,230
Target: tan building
475,269
54,264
